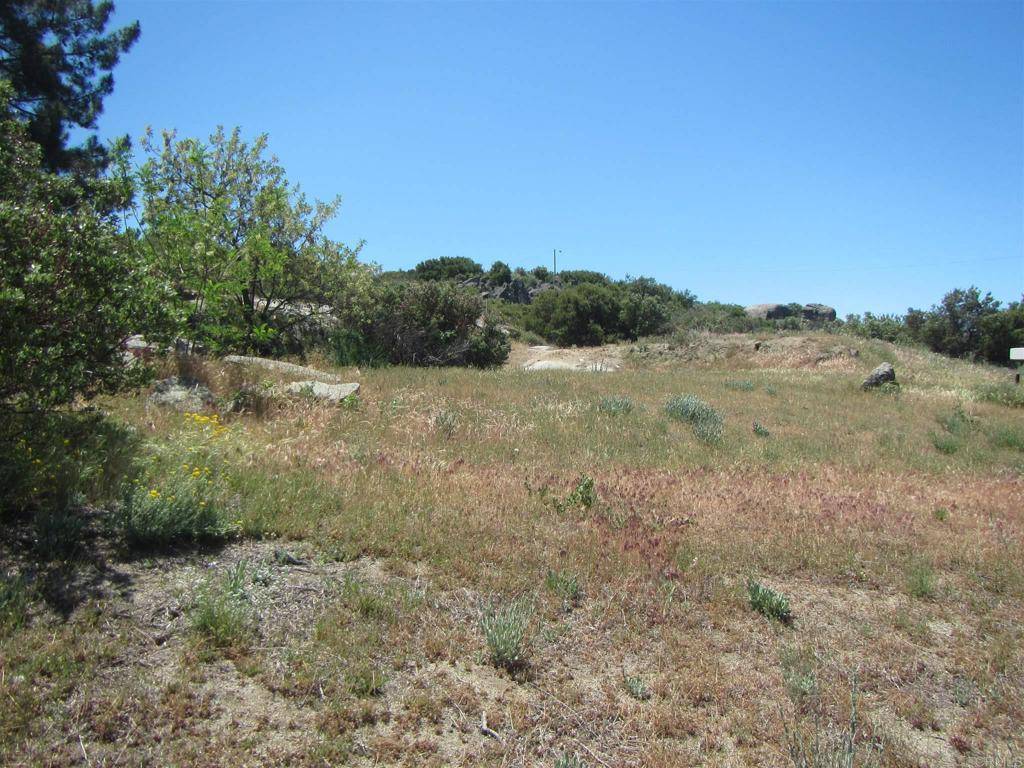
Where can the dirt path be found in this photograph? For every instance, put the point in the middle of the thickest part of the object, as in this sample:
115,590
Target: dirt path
547,358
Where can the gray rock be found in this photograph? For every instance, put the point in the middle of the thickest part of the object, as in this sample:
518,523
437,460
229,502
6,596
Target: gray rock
541,288
181,395
281,367
514,292
769,311
818,313
883,374
333,393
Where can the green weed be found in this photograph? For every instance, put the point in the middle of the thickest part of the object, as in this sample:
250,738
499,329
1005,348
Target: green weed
768,602
566,585
504,631
583,496
636,687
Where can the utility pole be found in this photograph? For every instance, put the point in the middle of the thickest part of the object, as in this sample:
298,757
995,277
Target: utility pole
554,260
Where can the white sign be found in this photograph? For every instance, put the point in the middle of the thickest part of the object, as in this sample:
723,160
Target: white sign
1017,353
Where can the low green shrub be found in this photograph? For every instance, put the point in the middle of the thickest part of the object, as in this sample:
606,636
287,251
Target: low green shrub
706,422
615,405
504,631
181,510
768,602
760,430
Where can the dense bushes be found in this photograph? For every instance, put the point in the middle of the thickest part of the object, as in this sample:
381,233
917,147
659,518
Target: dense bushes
421,323
448,268
964,324
593,310
69,290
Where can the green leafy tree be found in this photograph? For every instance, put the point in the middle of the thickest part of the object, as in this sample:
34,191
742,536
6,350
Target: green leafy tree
58,58
448,268
499,274
586,314
71,290
243,252
955,325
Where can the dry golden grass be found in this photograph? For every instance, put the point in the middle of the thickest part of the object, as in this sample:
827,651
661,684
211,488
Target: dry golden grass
439,496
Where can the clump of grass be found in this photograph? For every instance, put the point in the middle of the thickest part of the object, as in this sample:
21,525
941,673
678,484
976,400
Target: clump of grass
58,531
946,443
636,687
583,496
921,582
743,385
707,423
958,422
761,430
1004,393
566,585
819,745
504,631
1007,437
799,674
616,406
771,391
768,602
570,760
446,422
221,613
256,399
14,599
365,601
941,514
364,680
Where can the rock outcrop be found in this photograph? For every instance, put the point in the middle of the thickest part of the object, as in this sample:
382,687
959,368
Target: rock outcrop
181,395
769,311
333,393
883,374
818,313
288,369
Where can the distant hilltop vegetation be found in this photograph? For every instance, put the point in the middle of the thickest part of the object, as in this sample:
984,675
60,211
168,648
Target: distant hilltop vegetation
586,308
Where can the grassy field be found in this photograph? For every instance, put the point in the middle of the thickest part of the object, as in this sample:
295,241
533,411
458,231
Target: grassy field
518,568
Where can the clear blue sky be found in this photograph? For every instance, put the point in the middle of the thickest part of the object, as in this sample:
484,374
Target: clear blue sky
865,155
